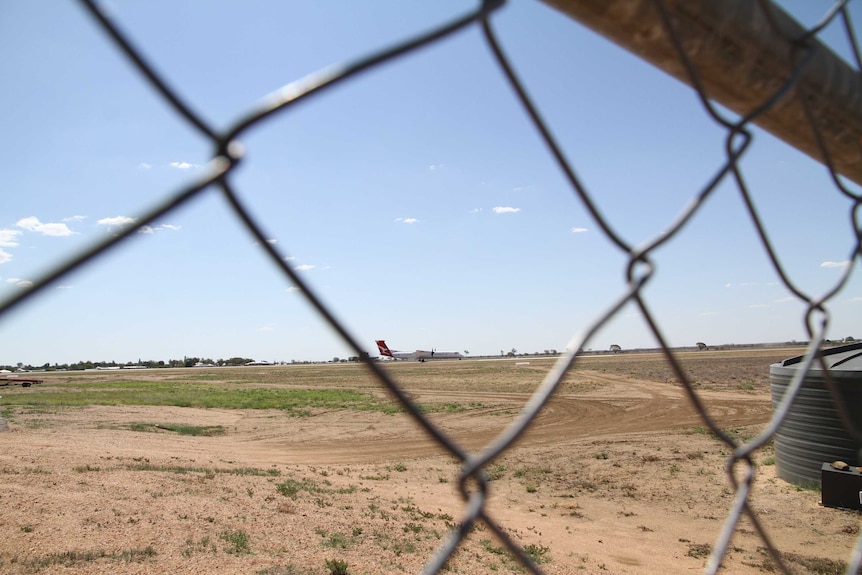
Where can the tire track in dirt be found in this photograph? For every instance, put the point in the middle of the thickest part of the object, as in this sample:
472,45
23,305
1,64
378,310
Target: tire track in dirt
618,405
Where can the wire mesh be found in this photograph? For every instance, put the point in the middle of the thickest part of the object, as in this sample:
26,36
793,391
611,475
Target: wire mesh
639,270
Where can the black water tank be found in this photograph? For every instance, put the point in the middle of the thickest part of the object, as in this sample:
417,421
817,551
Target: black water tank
813,433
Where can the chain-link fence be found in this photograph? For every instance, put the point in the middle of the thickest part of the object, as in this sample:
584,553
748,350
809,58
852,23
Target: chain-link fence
796,90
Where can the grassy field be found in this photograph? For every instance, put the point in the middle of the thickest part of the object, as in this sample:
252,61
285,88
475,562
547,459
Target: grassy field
300,389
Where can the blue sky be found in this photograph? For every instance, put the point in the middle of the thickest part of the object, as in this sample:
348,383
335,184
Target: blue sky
417,199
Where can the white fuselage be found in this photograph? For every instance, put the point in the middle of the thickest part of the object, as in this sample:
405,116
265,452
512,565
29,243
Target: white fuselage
418,355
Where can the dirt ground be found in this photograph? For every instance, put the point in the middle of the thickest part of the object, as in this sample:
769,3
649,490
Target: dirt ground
617,475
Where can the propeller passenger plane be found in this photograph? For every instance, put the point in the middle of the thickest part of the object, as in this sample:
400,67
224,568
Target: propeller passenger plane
418,355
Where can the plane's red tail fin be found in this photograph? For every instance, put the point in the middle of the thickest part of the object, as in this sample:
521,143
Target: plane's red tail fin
383,348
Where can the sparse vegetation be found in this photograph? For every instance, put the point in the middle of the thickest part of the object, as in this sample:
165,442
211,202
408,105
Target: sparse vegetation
237,542
491,548
179,428
538,553
183,469
291,488
204,545
811,564
288,569
807,486
337,567
496,472
699,550
72,559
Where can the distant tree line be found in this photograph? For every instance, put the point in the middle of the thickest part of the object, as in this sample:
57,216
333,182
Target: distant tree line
154,364
206,362
82,365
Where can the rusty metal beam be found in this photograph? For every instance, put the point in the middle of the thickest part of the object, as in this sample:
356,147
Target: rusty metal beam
742,58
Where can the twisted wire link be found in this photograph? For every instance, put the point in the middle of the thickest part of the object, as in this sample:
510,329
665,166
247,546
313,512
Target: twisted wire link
473,481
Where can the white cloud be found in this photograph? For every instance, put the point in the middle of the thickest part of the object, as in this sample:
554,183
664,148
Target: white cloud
506,210
29,224
433,167
476,210
74,218
709,313
144,166
579,230
267,327
293,289
18,282
757,305
183,165
406,220
57,230
272,241
304,267
289,258
8,238
32,224
828,264
152,230
529,188
5,257
855,298
116,221
64,287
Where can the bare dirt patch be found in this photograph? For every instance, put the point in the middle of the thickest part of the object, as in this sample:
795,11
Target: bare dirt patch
617,475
